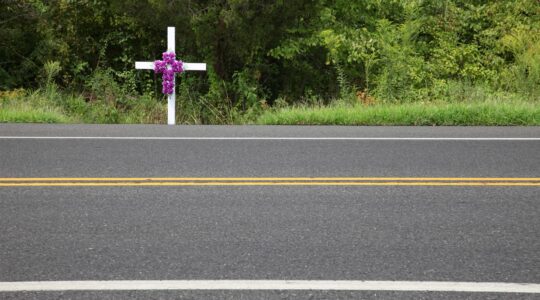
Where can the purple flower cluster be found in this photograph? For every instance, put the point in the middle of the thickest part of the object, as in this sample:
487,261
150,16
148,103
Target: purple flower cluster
162,66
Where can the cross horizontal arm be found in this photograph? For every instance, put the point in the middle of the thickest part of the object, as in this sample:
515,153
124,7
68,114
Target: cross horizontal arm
194,66
144,65
149,65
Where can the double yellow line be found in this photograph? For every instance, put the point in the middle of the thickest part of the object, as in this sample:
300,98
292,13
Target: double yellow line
269,181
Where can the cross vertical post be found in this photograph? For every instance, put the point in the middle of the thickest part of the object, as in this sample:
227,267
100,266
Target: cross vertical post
171,99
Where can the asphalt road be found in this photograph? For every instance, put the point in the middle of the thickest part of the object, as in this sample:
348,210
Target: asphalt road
402,233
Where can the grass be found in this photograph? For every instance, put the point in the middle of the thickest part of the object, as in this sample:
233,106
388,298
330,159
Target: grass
52,106
32,116
486,113
13,110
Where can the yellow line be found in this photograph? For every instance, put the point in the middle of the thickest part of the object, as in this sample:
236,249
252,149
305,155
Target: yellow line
270,184
14,179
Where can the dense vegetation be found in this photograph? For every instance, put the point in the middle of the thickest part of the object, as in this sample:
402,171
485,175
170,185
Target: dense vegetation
264,56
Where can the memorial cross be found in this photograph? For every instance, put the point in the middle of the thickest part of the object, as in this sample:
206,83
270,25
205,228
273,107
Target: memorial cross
169,66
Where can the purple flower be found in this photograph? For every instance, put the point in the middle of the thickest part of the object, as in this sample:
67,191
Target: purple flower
169,57
159,66
168,75
168,87
162,66
178,66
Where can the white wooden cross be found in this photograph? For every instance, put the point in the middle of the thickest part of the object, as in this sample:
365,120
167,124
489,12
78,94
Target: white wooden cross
149,65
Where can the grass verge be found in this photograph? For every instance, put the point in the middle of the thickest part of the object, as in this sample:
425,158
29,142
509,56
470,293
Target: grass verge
444,114
51,106
16,111
32,116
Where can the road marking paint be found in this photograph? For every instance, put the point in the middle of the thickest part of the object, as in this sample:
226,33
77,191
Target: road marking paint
10,179
338,285
269,181
275,138
285,183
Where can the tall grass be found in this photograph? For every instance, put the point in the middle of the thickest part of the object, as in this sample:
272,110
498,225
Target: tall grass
48,105
479,113
105,102
19,106
453,103
24,113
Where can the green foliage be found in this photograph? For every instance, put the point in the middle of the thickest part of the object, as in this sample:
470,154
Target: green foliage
427,114
17,107
51,68
246,89
267,53
51,106
524,74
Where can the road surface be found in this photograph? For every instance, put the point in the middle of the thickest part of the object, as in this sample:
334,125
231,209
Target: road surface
400,205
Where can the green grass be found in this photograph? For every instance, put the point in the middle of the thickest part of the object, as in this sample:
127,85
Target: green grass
24,112
32,116
445,114
52,106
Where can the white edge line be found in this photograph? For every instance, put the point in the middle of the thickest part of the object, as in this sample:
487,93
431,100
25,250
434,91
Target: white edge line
274,138
343,285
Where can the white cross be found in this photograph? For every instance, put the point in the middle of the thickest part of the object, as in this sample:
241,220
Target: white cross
149,65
